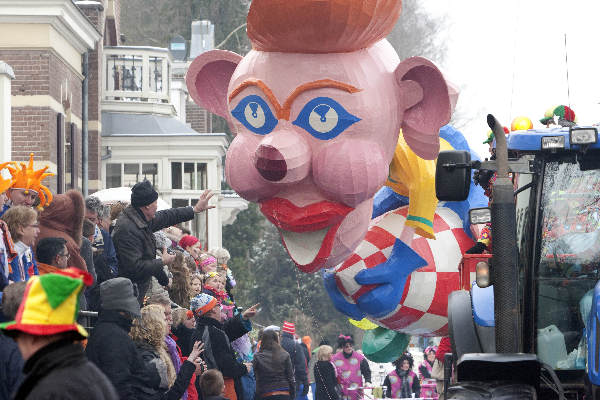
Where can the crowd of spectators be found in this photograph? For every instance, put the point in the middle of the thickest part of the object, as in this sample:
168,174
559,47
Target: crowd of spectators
161,316
165,312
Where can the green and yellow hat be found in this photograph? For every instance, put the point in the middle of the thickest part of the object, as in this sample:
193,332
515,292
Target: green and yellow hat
50,304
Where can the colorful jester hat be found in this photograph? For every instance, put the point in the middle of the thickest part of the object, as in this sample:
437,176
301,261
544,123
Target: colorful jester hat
27,178
5,183
566,116
50,304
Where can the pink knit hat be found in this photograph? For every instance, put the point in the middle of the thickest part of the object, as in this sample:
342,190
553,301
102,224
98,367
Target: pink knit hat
289,327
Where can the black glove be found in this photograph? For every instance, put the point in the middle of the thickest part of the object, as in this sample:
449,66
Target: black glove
477,249
305,388
161,276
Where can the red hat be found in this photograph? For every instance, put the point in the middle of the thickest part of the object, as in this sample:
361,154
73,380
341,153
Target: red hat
289,327
187,241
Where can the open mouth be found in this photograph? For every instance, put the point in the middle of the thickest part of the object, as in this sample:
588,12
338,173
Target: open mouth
307,232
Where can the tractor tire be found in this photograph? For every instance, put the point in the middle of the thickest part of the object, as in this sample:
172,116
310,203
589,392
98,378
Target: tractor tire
491,391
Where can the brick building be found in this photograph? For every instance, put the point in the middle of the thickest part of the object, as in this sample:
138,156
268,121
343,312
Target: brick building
44,42
138,124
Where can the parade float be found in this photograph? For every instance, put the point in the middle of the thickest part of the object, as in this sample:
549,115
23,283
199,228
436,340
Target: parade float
336,140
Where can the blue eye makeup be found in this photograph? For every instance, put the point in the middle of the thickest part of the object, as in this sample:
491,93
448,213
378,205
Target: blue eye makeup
254,113
324,118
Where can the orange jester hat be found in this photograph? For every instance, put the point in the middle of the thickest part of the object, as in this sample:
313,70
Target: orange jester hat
27,178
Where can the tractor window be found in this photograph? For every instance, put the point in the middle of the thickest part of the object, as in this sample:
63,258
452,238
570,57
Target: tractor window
569,259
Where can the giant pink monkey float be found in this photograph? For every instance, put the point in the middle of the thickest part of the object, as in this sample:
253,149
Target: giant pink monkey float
317,106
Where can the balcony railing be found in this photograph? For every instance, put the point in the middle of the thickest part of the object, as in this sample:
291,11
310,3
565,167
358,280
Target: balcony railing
133,73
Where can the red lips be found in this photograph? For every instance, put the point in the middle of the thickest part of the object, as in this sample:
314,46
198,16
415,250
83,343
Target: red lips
285,215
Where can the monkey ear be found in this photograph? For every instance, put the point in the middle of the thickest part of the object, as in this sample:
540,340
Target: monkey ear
208,79
427,103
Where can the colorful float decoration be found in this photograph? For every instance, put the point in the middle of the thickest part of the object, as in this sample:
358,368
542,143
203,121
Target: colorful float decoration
400,286
566,116
521,124
332,130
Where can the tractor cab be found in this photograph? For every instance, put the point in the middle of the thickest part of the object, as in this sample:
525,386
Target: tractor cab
554,226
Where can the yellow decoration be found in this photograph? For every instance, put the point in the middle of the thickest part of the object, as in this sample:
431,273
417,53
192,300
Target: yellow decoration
414,177
521,124
364,324
26,177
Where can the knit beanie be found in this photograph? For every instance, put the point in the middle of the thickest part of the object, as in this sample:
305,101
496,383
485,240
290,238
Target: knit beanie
202,303
143,194
118,294
187,241
289,327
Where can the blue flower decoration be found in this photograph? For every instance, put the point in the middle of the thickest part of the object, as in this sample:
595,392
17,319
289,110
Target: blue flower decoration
254,113
324,118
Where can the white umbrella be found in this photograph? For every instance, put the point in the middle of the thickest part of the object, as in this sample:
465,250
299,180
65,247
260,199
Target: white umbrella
123,194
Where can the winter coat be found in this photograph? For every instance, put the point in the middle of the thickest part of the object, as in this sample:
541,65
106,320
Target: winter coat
274,372
7,253
394,384
311,365
109,253
87,253
220,336
183,337
60,370
159,390
297,356
11,367
136,246
110,347
325,381
23,265
64,218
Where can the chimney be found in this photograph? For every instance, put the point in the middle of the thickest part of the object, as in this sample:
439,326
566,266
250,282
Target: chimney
203,37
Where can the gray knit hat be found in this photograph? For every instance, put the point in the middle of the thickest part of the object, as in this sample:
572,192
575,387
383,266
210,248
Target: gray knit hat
117,294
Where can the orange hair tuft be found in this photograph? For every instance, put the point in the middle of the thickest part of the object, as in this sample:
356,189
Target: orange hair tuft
320,26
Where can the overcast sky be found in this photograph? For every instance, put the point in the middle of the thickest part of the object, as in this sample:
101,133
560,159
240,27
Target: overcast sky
508,58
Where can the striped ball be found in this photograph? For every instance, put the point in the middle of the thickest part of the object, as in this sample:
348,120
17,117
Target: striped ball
423,308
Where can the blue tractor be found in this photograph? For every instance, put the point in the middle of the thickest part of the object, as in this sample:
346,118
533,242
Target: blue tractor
530,325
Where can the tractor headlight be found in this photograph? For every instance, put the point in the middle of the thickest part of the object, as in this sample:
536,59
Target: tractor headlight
583,135
482,274
553,142
480,215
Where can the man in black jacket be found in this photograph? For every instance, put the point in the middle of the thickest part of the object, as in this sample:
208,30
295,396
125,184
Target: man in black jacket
49,340
298,359
134,240
111,348
217,337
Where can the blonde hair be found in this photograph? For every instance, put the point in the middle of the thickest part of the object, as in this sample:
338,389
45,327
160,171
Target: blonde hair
221,254
18,217
179,316
324,352
150,328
